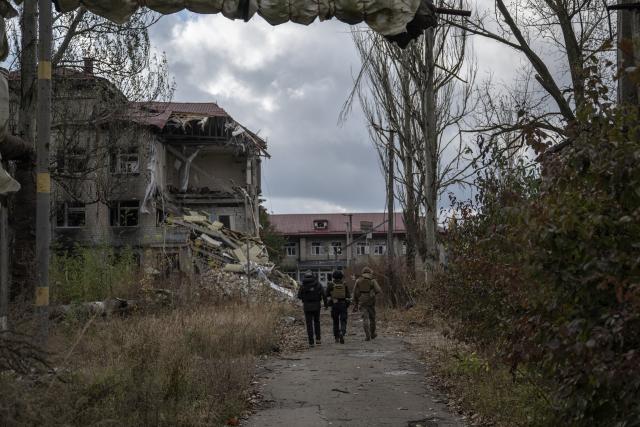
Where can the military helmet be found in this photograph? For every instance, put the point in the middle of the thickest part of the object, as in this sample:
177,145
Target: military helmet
337,275
367,270
308,274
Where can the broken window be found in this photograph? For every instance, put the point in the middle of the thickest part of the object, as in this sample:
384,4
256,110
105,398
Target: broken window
362,248
125,161
316,248
124,213
320,224
336,248
72,160
290,249
70,214
379,248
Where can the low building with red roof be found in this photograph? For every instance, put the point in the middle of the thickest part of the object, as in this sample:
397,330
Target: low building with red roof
324,242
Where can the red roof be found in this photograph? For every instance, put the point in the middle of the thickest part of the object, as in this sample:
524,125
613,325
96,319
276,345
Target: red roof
158,113
302,224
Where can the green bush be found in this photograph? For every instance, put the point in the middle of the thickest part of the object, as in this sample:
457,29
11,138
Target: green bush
92,274
545,271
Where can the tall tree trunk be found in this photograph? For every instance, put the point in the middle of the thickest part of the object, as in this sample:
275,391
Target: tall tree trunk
391,224
430,157
411,208
24,202
628,54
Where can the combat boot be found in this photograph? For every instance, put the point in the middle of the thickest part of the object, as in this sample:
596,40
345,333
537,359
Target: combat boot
341,339
337,340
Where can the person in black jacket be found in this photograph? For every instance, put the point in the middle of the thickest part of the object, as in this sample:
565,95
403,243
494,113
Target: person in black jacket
311,293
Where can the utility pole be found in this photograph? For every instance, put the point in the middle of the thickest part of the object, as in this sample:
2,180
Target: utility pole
4,266
43,179
430,154
23,203
628,51
349,225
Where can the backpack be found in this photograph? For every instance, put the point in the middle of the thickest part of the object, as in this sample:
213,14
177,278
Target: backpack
339,291
365,285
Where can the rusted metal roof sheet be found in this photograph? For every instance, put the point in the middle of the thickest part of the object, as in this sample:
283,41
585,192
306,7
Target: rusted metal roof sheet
158,113
303,224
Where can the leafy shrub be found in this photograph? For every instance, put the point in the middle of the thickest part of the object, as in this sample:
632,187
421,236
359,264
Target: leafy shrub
545,271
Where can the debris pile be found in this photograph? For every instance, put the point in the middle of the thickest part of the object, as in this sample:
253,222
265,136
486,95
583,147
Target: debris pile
225,257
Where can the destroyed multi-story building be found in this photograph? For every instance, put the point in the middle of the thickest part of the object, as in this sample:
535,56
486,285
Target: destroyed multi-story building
120,168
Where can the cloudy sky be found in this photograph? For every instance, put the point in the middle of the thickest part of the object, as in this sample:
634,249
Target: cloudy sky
289,83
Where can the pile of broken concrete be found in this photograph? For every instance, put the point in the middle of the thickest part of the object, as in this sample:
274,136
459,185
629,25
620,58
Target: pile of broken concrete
233,262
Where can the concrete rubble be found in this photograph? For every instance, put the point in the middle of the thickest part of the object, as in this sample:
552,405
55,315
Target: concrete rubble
225,258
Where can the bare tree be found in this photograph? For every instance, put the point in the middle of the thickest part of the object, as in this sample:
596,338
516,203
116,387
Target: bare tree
390,88
559,41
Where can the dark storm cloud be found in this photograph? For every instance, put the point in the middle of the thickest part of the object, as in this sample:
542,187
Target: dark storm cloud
289,83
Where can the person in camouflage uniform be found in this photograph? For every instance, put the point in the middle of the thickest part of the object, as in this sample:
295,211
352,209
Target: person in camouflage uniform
364,297
339,300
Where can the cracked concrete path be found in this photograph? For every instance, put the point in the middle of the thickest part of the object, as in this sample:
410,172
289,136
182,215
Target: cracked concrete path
375,383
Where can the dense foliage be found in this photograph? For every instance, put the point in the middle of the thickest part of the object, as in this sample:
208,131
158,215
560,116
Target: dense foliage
544,270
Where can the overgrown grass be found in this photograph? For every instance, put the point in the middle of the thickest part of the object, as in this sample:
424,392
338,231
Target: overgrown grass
491,391
191,366
92,274
479,384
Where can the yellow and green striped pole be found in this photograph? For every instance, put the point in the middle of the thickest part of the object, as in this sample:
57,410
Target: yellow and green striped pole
43,180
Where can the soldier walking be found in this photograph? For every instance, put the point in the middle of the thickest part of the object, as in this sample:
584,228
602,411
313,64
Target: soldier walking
339,300
311,293
364,296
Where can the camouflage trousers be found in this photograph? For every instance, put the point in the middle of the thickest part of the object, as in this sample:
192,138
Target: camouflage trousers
368,313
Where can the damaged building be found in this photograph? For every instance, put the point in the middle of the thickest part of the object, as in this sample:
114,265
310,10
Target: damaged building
121,169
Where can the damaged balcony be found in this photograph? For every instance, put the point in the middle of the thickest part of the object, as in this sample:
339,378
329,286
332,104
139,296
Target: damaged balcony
206,161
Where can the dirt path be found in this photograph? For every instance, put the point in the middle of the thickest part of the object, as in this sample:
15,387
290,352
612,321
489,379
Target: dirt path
375,383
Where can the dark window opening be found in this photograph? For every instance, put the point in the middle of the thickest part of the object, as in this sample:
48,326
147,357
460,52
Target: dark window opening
124,213
320,224
70,214
225,220
72,160
125,161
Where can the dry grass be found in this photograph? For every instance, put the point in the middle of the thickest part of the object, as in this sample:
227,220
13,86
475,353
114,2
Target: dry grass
190,366
481,388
